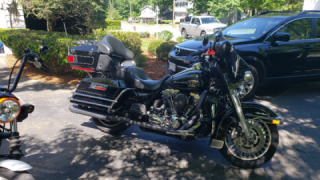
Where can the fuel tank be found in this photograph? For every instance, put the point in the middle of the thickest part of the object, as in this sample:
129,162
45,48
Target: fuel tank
191,80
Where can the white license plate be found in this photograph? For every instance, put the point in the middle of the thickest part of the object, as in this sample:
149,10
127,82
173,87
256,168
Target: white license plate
172,66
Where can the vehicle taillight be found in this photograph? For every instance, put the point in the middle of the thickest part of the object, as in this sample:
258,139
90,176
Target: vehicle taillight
71,59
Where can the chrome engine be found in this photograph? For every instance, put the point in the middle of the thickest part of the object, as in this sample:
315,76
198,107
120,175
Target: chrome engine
175,109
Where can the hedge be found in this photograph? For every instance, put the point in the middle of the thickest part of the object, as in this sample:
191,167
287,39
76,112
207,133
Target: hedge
56,58
165,35
160,48
113,24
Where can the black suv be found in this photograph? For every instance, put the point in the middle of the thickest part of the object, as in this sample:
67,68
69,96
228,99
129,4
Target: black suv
276,45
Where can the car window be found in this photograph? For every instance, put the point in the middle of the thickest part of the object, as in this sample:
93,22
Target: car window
195,20
208,20
252,28
298,29
318,28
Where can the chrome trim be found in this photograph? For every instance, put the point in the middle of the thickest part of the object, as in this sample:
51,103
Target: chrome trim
90,103
93,97
194,50
117,98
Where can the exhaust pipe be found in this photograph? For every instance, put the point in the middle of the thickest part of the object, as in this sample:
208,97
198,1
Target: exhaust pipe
104,116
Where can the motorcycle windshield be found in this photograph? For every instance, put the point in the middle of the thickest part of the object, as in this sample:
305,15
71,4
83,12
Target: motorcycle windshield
236,67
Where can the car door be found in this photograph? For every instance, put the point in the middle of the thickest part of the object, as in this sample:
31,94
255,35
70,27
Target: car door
296,56
193,26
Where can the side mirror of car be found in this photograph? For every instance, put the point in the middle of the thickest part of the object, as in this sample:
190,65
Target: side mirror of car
280,36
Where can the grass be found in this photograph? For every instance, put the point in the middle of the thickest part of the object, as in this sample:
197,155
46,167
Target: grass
145,43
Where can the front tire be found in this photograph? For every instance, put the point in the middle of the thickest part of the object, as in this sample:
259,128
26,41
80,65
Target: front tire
203,33
110,127
8,174
250,154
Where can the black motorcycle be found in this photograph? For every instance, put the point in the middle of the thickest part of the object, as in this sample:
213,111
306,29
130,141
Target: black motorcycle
199,102
12,112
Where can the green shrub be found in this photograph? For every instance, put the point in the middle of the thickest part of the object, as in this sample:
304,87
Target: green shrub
180,39
163,50
144,34
165,35
131,40
56,58
141,60
165,21
153,45
113,24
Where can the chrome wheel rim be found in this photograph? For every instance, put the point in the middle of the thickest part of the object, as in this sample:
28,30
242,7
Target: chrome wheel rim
107,123
248,86
257,147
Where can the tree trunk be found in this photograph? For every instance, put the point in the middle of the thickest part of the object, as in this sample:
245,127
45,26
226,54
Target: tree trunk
51,22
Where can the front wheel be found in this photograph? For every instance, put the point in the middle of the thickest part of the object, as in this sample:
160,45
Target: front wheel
110,127
250,153
8,174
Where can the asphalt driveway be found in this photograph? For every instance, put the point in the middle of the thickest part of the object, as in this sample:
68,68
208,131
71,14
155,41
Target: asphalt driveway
62,145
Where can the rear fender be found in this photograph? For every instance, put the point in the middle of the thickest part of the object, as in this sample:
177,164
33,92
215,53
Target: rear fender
250,110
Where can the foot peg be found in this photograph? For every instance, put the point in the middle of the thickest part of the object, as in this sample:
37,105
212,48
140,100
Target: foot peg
214,143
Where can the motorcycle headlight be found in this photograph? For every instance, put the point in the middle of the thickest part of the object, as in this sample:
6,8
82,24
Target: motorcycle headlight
9,109
248,76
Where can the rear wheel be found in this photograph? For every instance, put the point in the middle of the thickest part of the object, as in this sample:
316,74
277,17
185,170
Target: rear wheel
110,127
245,153
184,33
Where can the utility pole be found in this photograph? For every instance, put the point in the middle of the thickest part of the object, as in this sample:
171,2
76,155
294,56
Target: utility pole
130,10
174,2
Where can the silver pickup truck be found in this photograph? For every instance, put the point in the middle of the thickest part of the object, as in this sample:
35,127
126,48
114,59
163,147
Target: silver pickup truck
200,26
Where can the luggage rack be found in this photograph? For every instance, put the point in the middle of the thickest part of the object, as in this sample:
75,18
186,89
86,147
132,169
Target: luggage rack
91,100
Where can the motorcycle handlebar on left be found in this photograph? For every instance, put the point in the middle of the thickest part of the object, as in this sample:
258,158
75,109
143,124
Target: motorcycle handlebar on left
32,58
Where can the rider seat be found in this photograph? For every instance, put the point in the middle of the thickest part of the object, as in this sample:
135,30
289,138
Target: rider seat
137,78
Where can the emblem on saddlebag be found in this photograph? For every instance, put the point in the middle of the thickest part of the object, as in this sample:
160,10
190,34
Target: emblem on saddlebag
99,87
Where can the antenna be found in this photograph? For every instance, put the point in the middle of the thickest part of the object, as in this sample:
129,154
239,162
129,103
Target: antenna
65,29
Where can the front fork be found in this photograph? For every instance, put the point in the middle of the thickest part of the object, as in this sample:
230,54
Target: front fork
234,95
237,105
14,142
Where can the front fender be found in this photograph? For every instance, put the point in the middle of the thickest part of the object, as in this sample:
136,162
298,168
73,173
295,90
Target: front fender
15,165
250,110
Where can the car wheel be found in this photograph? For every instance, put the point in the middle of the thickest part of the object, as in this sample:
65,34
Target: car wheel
184,33
251,86
203,33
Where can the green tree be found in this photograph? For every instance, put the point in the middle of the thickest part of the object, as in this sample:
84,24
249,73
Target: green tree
89,13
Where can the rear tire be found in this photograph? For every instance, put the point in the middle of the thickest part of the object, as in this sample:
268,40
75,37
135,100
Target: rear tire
184,34
244,154
203,33
110,127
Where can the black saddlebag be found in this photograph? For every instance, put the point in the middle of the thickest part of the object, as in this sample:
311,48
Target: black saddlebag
99,93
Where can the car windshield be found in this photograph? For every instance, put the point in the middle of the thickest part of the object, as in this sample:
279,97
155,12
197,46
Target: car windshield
253,28
208,20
